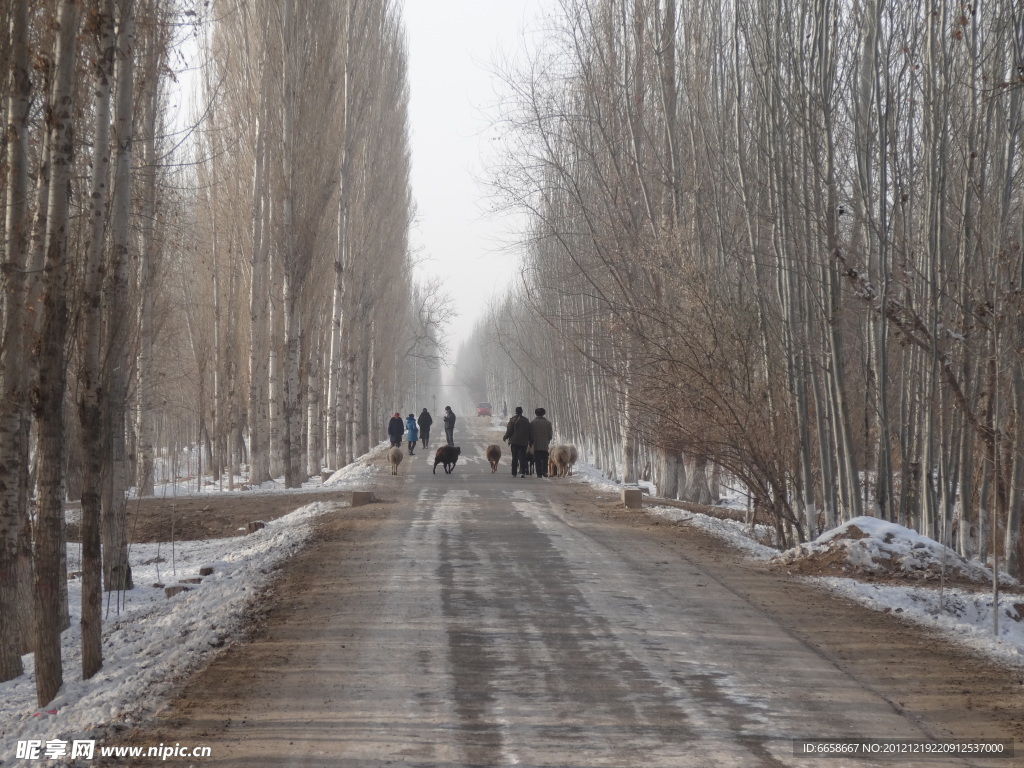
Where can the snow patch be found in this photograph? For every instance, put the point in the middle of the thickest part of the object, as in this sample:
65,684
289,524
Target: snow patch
960,615
875,547
736,533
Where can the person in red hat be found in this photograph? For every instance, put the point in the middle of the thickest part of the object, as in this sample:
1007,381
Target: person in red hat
396,429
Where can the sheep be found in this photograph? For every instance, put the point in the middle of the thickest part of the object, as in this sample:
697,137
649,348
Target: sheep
561,460
447,455
395,457
493,456
559,457
572,457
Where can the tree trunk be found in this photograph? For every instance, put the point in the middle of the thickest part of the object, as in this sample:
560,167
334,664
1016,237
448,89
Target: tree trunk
668,473
275,386
48,402
117,574
13,450
627,427
259,344
334,415
335,418
362,405
149,255
314,417
292,410
699,490
348,444
90,384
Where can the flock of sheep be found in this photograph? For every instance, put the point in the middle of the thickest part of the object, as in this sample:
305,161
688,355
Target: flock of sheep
561,458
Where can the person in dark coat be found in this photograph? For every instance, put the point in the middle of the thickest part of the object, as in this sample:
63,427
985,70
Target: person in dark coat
412,432
396,429
519,437
449,425
542,432
425,420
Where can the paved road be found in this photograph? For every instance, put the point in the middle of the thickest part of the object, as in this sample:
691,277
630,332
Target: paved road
481,624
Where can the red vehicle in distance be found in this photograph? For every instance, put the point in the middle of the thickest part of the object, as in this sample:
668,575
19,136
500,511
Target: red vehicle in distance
483,409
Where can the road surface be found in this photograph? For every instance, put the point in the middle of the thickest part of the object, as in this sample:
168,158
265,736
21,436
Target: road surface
479,619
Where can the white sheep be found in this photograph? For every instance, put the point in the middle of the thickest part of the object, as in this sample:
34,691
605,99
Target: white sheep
395,457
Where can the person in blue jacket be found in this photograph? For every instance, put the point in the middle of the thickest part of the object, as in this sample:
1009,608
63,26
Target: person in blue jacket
412,432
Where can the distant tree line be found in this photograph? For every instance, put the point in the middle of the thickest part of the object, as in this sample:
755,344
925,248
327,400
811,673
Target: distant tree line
238,289
780,241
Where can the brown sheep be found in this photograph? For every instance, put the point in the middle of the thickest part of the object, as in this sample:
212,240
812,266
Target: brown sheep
493,456
447,455
395,457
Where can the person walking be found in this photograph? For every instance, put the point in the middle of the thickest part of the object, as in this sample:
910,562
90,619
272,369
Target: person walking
396,429
542,432
425,420
519,437
449,425
412,432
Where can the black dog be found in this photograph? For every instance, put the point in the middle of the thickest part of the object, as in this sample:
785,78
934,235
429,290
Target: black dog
447,455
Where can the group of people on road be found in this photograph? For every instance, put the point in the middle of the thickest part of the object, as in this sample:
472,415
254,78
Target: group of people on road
521,433
415,430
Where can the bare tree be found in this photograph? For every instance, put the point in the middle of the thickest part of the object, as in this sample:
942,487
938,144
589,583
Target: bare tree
14,399
90,371
117,574
48,395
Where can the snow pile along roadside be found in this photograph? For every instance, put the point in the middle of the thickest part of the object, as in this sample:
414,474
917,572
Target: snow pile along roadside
736,533
964,616
154,641
360,470
867,546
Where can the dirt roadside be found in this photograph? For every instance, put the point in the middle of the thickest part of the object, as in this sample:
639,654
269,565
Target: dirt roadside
939,685
214,516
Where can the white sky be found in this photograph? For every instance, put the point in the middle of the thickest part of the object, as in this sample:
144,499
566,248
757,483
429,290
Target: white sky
453,48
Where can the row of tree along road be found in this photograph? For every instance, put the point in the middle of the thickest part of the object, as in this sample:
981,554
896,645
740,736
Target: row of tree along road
235,287
780,244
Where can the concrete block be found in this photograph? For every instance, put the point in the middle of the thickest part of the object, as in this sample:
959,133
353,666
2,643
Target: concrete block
175,590
206,570
255,525
632,498
359,498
